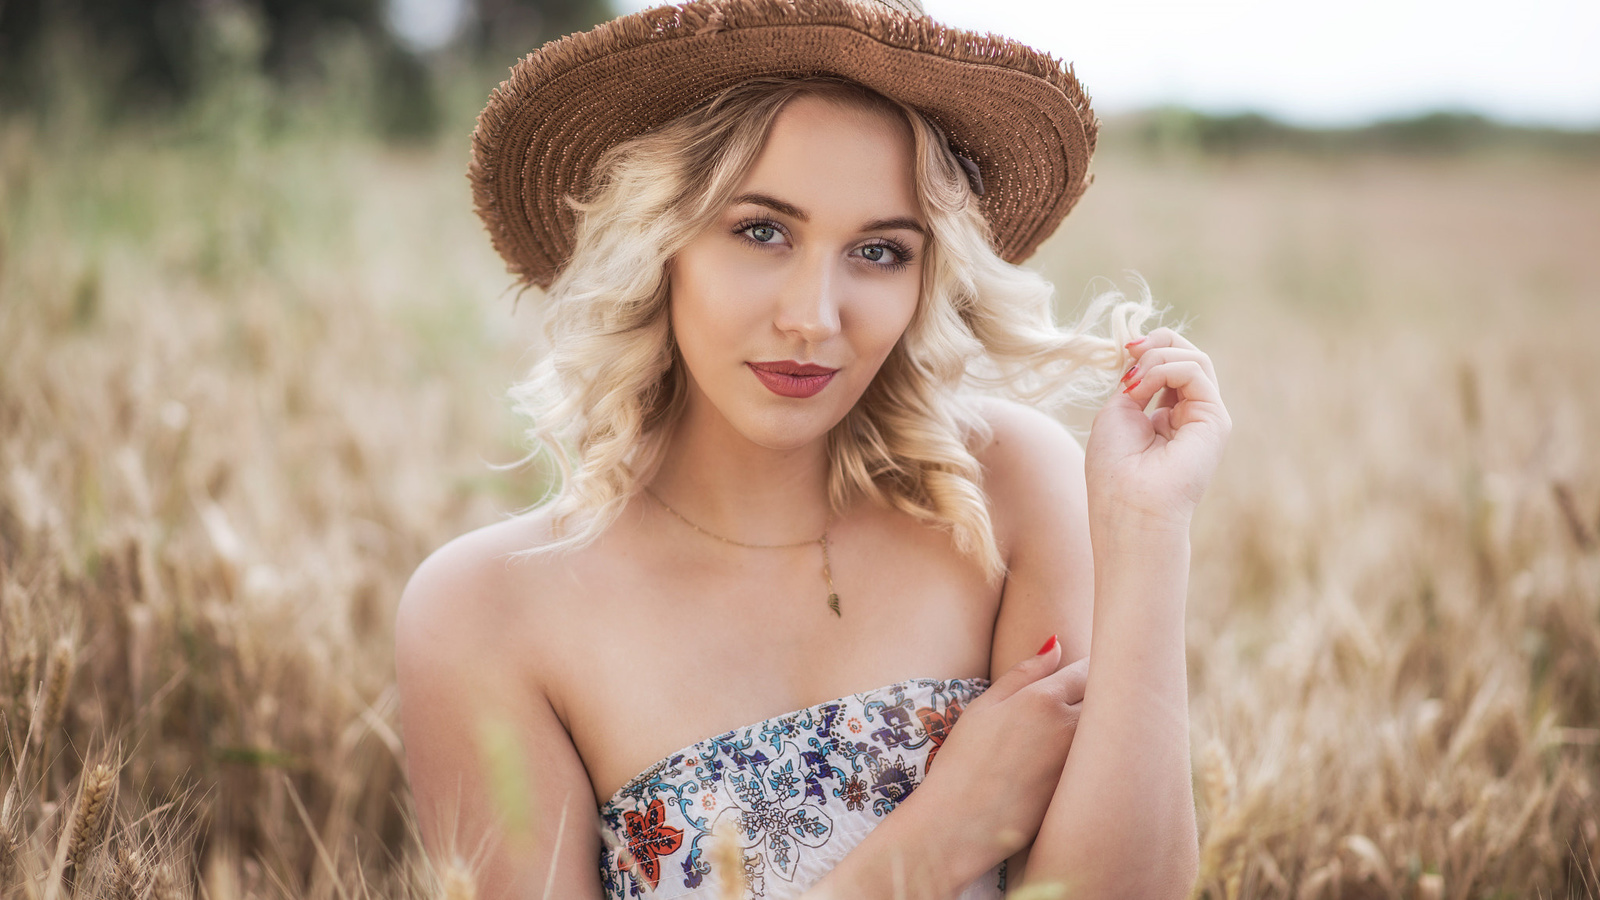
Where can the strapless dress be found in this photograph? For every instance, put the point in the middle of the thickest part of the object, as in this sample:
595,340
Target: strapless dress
795,792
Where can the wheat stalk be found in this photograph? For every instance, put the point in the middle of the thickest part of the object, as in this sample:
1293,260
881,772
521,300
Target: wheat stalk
457,883
165,883
727,860
90,817
21,679
1220,854
57,681
131,876
8,853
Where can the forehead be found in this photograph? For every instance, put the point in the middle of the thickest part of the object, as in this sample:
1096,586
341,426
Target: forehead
840,155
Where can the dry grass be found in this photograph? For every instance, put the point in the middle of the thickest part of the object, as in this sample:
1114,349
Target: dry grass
245,387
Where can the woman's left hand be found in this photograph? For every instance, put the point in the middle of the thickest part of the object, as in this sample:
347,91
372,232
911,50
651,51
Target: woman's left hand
1155,465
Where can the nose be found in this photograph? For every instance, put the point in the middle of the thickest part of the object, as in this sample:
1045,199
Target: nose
808,306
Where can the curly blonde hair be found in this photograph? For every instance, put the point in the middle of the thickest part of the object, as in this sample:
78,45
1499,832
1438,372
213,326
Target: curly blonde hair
603,399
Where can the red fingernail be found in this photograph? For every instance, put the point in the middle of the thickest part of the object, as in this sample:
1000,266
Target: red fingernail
1132,386
1048,645
1131,369
1134,343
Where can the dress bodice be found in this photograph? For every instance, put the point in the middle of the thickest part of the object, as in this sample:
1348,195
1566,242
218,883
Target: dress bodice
796,792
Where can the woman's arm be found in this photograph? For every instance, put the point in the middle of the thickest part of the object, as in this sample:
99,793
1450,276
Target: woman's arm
495,777
1033,474
1122,821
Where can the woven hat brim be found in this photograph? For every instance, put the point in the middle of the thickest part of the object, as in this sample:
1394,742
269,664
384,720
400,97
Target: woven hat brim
1018,113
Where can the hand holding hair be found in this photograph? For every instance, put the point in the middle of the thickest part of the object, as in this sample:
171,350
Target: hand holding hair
1147,468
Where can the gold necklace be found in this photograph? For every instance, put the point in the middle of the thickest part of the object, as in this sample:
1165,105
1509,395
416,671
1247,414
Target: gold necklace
827,568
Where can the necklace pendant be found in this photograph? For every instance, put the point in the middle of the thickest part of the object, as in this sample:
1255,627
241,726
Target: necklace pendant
833,604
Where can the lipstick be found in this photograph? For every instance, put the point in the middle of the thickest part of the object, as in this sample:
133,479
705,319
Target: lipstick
792,379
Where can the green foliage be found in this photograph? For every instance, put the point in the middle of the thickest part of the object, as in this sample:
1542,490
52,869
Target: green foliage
1181,130
116,62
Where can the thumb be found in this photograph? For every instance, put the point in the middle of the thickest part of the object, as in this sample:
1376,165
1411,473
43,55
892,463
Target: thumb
1025,672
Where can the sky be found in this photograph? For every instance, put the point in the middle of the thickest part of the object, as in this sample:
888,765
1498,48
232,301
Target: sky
1325,63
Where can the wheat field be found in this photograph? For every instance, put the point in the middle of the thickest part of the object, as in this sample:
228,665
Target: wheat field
246,385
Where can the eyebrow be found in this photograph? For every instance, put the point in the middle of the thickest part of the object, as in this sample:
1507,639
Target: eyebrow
789,209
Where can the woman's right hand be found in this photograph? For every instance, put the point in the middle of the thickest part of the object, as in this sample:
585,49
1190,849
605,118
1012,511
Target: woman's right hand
1000,764
985,792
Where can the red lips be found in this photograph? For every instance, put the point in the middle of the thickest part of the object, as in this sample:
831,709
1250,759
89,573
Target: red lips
788,378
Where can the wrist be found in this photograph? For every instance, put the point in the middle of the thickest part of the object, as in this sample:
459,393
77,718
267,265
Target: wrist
945,846
1141,509
1126,528
1139,557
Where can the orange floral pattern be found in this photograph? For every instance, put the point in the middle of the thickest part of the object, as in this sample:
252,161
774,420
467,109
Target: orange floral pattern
649,838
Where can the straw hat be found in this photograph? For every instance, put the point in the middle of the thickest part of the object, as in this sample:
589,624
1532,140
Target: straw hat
1016,112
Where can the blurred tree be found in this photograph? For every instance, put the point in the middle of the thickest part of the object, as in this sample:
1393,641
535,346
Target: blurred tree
1179,130
139,56
509,29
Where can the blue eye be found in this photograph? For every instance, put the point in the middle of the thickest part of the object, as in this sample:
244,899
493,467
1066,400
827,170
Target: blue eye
760,231
888,255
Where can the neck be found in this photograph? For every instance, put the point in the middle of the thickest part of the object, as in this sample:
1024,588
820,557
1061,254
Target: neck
722,482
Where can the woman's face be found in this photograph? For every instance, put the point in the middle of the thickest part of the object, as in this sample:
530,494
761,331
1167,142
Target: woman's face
785,308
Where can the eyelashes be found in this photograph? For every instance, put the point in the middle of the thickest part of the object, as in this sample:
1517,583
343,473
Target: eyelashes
903,254
749,225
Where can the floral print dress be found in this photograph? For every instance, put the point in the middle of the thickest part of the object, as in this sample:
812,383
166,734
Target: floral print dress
795,792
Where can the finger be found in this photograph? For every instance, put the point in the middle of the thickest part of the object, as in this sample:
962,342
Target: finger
1156,356
1185,377
1024,673
1075,679
1160,337
1161,419
1061,693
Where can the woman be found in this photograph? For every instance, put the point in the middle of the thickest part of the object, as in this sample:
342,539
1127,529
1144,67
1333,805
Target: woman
780,238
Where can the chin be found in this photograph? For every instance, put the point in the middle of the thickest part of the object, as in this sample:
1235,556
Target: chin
788,433
790,429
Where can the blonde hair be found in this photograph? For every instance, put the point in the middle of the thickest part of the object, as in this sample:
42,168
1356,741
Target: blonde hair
603,398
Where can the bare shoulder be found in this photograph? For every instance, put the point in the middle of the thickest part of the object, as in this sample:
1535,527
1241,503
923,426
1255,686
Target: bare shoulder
1022,432
468,589
1030,463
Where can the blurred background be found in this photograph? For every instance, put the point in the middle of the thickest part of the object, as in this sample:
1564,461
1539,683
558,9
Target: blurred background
254,348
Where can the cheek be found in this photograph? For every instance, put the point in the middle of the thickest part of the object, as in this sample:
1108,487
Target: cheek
719,287
884,317
706,317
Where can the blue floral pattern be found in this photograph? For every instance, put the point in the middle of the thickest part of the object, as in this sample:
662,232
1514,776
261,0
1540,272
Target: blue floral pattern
797,792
